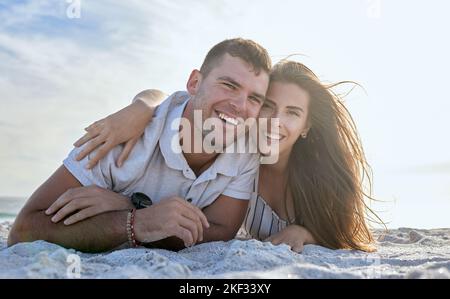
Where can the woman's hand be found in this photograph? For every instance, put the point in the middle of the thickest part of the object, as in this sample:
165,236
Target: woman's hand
125,126
83,202
295,236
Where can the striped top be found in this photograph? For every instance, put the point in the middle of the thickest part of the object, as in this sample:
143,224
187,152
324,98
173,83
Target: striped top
260,221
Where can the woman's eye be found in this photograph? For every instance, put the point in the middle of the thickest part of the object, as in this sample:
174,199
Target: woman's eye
266,107
294,113
255,99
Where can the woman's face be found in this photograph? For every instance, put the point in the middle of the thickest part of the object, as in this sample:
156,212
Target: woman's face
289,103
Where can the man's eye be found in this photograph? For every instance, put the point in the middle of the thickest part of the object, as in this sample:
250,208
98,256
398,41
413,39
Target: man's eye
230,86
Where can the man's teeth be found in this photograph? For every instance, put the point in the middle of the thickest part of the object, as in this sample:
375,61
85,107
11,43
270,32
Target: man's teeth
273,136
230,120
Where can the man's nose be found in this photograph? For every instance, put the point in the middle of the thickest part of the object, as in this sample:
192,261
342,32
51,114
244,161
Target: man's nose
239,104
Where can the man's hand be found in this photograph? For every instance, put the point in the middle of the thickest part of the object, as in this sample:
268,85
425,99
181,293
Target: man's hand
293,235
95,234
80,203
171,217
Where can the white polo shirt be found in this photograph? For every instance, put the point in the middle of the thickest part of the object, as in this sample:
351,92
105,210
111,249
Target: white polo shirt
155,169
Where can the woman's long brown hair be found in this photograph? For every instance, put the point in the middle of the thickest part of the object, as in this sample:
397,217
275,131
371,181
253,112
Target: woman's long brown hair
327,168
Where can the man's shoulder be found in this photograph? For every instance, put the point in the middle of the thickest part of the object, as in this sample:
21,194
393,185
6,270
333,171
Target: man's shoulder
175,99
155,127
236,164
148,142
248,160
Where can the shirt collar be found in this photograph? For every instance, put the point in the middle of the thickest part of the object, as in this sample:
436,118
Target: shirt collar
169,140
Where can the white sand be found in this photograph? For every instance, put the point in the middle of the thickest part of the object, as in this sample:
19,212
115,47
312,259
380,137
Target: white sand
402,253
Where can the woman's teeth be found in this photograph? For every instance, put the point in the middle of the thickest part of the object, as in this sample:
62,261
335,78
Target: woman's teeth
274,136
230,120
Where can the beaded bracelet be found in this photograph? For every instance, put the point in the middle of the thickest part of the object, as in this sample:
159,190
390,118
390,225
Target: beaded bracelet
130,229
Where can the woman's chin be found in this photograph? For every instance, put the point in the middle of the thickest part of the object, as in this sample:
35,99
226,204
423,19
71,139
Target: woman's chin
271,151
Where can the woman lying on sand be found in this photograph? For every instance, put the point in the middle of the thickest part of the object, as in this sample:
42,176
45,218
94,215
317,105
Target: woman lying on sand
314,194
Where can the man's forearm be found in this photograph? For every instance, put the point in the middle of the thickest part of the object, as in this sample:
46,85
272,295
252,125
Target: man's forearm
99,233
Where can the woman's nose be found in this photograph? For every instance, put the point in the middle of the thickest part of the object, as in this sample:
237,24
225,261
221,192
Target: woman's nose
275,120
275,123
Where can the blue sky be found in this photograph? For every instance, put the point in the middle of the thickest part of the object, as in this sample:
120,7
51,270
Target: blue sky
58,74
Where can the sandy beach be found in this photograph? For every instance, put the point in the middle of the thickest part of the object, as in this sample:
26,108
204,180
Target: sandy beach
402,253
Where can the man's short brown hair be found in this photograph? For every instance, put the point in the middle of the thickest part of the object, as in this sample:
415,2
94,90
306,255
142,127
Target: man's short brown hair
245,49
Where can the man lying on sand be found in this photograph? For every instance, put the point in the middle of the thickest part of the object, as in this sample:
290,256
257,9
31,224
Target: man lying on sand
196,196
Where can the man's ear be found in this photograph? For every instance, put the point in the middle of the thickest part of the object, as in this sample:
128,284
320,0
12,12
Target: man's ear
194,81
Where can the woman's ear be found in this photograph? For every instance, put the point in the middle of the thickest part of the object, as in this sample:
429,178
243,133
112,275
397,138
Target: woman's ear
308,126
306,131
194,81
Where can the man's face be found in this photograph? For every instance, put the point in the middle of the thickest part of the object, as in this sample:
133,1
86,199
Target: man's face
231,93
